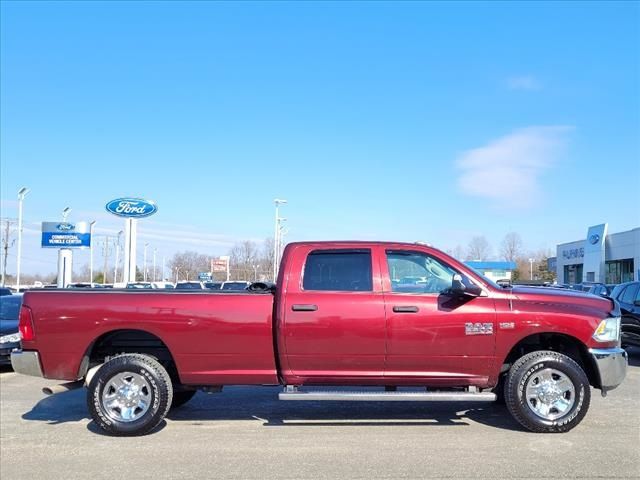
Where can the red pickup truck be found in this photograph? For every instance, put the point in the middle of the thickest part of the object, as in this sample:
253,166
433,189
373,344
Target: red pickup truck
405,318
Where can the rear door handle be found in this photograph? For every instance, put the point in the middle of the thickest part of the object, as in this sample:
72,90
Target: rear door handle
304,308
406,309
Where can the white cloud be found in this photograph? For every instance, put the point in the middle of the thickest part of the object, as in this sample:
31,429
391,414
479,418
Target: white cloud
507,170
523,82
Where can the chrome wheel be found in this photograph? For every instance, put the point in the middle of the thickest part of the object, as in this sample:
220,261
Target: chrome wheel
126,396
550,394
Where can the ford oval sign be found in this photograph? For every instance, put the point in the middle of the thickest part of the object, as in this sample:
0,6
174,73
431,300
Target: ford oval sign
132,207
595,238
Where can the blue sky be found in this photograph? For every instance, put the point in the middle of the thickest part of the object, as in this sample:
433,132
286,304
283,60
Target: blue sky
401,121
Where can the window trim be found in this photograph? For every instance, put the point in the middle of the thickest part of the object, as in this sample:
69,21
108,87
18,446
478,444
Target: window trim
366,250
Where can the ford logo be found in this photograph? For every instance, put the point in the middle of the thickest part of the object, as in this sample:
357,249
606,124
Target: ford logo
131,207
65,226
593,239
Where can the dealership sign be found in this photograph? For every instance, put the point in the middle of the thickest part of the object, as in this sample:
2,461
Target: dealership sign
573,253
66,235
131,207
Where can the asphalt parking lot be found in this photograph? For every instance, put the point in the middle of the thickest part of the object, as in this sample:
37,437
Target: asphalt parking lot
245,432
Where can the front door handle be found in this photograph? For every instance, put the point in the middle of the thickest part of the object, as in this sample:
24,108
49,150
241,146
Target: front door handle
304,308
406,309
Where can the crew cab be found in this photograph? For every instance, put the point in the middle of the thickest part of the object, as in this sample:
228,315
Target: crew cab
406,321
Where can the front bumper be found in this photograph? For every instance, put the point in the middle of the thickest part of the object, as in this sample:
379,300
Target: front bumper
26,363
611,364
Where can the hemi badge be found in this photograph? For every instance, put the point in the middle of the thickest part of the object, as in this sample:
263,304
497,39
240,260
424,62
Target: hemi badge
478,328
507,325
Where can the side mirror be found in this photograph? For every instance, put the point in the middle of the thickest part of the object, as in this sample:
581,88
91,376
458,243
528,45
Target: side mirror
459,288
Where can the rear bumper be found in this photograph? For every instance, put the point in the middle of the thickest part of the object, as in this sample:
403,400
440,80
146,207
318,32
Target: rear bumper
611,364
5,352
26,363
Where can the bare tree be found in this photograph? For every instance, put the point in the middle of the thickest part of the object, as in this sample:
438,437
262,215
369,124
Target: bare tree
187,265
478,249
244,261
511,247
266,258
457,252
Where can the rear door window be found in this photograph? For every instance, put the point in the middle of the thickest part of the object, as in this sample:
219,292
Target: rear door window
629,293
338,271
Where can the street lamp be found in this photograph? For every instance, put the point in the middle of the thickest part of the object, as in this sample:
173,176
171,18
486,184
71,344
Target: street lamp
144,274
91,225
65,213
115,268
531,268
276,238
155,251
255,272
21,194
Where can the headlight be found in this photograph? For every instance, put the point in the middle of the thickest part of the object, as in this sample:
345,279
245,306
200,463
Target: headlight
13,338
608,330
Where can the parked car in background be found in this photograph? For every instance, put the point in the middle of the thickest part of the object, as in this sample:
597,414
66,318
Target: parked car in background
235,285
5,291
9,336
163,285
628,297
80,285
139,285
213,285
596,288
189,286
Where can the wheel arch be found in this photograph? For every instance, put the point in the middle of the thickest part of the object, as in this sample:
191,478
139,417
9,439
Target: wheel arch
128,340
557,342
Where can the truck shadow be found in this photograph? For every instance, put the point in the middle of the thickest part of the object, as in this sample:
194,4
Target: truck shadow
262,404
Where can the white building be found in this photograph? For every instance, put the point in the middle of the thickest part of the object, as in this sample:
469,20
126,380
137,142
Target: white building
601,257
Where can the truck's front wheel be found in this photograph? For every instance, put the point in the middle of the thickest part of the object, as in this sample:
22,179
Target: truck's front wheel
129,395
547,391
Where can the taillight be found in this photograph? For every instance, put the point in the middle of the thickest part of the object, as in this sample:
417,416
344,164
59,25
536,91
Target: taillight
25,325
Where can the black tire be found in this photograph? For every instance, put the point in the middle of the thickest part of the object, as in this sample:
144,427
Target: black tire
528,369
156,389
180,397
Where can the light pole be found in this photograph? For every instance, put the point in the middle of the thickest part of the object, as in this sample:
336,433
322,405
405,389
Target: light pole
144,274
21,194
65,213
531,269
115,268
91,225
163,276
155,251
282,231
276,239
255,272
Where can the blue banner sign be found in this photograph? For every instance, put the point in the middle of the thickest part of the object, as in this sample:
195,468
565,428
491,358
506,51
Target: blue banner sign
66,235
131,207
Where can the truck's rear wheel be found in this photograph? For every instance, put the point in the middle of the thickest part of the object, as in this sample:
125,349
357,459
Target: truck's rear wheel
547,392
129,395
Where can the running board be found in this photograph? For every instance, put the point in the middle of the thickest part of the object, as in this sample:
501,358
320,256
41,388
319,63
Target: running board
351,396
